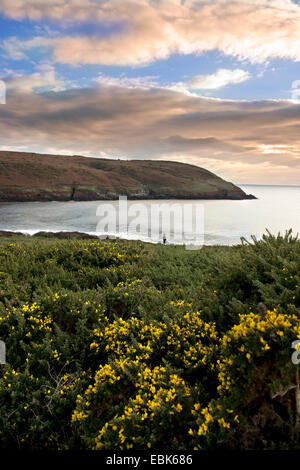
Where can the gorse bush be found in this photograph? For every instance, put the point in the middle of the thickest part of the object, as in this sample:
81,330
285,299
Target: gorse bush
125,345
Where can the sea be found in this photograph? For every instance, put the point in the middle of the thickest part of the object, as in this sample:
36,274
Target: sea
202,222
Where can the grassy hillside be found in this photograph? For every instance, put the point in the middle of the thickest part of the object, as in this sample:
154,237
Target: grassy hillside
35,177
124,345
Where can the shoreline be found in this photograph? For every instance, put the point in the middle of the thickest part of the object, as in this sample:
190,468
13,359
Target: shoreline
7,199
77,235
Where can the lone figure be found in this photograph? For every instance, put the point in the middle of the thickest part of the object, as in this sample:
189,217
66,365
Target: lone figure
164,239
2,352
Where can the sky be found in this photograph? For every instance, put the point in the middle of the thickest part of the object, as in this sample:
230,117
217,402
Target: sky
215,83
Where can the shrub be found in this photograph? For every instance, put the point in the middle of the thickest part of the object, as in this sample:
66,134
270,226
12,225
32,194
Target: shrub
115,344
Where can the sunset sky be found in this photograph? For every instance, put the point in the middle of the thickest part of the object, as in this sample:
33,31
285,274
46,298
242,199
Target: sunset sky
213,83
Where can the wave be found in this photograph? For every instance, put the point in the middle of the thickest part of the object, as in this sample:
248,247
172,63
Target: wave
100,235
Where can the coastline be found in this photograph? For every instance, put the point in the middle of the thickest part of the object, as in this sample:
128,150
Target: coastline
10,197
77,235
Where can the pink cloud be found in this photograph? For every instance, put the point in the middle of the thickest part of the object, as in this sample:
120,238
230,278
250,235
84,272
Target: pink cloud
254,30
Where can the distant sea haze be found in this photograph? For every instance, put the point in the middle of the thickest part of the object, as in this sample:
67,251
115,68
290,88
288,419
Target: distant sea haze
276,208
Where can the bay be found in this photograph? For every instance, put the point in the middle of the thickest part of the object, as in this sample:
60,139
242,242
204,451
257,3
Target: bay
277,208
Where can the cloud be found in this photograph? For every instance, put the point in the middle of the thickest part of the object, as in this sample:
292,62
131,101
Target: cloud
220,79
16,49
242,141
44,78
133,82
256,30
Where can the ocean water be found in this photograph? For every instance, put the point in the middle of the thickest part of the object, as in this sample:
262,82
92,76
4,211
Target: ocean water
220,222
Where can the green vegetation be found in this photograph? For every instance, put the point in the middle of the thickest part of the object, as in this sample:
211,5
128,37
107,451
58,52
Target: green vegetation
120,345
